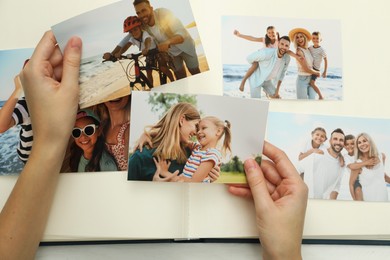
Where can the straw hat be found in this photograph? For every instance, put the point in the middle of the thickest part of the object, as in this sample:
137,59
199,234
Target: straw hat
293,32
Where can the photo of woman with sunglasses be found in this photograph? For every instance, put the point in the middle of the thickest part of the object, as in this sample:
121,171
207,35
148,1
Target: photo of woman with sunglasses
88,152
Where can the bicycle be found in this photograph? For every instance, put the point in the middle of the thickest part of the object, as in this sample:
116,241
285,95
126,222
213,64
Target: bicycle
139,77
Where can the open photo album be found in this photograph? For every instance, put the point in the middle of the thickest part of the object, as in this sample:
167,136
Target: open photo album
175,95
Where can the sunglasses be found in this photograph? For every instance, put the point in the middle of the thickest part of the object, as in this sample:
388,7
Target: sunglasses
88,130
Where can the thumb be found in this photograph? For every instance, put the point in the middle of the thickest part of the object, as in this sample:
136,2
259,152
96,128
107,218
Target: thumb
71,63
257,184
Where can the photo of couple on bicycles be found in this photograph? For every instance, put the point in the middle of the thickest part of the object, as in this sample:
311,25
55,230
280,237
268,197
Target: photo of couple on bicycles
134,46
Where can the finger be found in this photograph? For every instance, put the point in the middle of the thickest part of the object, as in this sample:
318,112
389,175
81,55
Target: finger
56,57
257,183
45,48
155,162
283,165
71,63
240,191
270,172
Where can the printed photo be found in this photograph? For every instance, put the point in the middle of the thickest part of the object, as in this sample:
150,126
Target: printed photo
338,157
100,138
282,58
194,138
134,46
16,135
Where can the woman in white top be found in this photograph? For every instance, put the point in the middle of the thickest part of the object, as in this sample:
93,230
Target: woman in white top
301,37
372,178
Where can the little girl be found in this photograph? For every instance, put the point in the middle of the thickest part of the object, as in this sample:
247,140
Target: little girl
204,154
88,152
316,145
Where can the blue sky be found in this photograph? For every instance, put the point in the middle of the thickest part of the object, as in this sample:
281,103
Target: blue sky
102,28
11,63
235,50
291,131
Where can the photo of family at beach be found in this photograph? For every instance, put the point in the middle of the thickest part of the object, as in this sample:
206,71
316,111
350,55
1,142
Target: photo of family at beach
338,157
280,58
194,138
134,45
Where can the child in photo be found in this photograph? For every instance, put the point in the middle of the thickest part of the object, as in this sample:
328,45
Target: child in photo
205,154
318,54
88,152
349,158
15,112
140,38
315,145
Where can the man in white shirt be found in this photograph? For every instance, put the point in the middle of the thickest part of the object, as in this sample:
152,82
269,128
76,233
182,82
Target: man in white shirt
171,36
323,172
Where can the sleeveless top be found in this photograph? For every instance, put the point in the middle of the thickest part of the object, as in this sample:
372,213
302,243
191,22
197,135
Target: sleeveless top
118,149
309,62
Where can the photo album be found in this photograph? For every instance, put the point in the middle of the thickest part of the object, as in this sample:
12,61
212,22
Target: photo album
153,147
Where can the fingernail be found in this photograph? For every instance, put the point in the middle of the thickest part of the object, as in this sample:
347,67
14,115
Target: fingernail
250,164
75,42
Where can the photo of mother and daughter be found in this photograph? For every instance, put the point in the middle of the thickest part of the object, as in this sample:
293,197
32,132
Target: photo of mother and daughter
186,146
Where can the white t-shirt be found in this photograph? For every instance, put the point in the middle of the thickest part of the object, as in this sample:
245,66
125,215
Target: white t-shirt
345,193
322,174
161,37
275,70
134,41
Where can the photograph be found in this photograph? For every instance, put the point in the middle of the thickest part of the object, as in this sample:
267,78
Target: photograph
194,138
282,58
338,157
100,138
129,46
16,135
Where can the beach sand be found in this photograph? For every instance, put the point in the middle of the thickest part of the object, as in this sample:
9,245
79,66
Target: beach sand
120,87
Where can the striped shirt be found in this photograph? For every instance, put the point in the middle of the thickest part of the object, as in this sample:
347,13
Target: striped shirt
22,118
318,54
197,157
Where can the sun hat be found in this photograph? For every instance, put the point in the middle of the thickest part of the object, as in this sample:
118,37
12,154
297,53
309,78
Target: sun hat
294,31
88,113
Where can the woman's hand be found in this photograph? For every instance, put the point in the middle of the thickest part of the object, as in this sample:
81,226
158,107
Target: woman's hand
144,139
280,198
215,173
50,82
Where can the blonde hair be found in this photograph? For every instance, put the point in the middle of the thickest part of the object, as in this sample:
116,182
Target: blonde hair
373,152
225,125
295,41
165,134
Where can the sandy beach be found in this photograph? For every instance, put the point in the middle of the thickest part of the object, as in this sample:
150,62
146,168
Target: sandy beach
113,83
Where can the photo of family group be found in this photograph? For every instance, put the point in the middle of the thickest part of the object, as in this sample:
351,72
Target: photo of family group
134,45
15,124
341,158
280,58
194,138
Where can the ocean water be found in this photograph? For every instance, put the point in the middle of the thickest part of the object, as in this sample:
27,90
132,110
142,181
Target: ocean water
9,160
331,87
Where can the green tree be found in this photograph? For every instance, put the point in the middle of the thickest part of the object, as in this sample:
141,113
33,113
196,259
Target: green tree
161,102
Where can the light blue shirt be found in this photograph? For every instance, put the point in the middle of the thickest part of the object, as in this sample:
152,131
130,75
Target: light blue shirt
267,58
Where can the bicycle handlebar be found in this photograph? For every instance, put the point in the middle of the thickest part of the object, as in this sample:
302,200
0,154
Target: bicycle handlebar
132,56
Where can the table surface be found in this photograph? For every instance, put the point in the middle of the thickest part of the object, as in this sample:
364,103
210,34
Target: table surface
204,251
